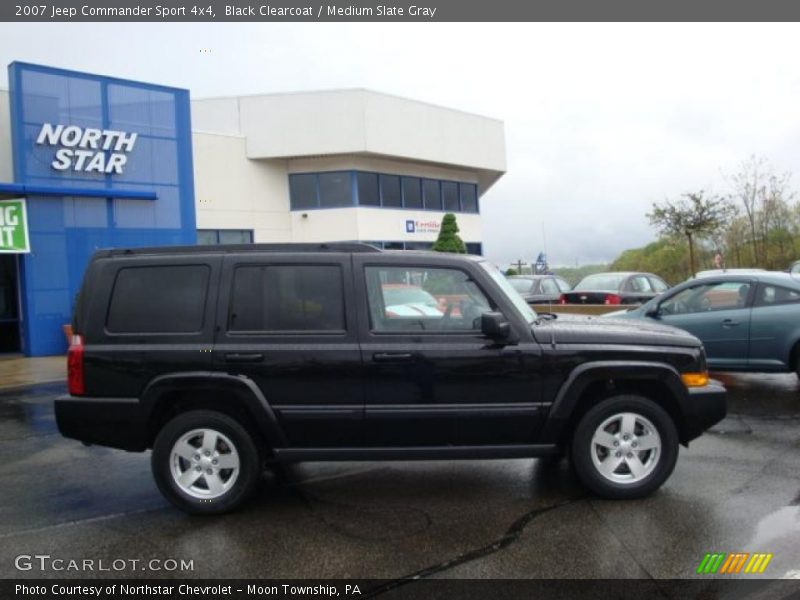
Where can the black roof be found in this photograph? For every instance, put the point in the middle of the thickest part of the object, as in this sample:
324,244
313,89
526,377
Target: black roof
239,248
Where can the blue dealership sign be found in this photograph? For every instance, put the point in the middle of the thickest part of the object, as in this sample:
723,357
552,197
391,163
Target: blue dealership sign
104,162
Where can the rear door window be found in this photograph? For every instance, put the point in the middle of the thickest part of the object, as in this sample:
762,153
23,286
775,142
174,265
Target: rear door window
641,284
549,287
158,299
658,285
775,295
284,298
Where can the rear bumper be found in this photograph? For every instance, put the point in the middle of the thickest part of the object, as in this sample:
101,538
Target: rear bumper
114,422
703,408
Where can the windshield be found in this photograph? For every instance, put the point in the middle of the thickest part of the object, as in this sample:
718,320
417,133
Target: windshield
601,281
521,285
518,301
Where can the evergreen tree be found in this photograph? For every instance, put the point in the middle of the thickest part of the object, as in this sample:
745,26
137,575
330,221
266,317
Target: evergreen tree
448,240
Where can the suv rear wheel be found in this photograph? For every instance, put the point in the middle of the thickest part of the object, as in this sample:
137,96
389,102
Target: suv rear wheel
205,462
625,447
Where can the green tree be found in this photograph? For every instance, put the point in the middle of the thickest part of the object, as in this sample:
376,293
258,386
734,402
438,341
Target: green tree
448,240
511,271
574,274
666,257
691,217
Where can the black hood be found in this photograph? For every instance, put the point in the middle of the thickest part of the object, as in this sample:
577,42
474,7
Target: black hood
574,329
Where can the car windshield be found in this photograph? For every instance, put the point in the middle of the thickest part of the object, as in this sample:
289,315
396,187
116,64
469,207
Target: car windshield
521,285
513,295
601,281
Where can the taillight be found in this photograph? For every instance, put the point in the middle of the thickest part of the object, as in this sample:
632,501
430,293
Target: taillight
613,299
562,299
75,366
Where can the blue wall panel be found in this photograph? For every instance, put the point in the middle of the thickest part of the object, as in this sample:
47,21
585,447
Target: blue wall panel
66,230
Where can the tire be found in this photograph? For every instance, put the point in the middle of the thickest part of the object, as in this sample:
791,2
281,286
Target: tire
625,447
205,463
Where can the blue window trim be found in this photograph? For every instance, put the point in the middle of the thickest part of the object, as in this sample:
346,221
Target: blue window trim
354,192
22,189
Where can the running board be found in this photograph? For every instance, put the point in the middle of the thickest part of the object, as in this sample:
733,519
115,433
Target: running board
415,453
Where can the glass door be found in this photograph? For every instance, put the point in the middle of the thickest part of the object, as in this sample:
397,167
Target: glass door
9,306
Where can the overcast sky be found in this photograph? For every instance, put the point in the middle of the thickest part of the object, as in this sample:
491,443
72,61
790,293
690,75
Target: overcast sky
601,119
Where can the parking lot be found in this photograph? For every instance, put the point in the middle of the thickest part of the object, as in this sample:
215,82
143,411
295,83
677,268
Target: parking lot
736,489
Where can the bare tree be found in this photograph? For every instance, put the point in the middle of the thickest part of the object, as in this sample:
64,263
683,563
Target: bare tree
691,216
764,196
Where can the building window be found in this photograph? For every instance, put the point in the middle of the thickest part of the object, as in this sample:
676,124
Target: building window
335,189
450,196
431,194
340,189
209,237
469,197
368,193
412,193
390,191
303,191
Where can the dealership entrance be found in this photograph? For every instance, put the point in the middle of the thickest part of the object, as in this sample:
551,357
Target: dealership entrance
9,304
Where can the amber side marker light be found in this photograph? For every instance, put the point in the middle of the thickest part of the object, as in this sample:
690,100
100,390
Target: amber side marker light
694,379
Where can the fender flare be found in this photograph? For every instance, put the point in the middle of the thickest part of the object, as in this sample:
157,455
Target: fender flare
243,387
583,376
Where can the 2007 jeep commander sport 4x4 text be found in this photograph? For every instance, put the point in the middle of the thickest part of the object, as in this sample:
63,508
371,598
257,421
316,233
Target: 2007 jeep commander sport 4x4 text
222,359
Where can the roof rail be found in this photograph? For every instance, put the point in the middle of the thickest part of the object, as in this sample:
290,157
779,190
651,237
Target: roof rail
354,247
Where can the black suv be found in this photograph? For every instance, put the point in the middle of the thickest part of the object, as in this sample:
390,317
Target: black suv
223,359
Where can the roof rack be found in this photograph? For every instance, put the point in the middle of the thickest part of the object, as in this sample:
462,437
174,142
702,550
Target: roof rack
354,247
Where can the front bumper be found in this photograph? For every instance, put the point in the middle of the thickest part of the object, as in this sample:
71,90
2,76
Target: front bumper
703,408
114,422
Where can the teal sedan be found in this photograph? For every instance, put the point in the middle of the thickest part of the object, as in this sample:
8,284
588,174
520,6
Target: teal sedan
747,322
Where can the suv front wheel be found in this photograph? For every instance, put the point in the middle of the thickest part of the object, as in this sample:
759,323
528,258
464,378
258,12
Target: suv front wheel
625,447
205,462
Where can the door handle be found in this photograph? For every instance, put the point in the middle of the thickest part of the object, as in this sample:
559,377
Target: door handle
246,357
729,323
392,357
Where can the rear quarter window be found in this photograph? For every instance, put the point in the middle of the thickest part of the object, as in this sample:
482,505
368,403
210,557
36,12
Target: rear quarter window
158,299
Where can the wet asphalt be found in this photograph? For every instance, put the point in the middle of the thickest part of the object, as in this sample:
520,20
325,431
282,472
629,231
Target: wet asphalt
736,489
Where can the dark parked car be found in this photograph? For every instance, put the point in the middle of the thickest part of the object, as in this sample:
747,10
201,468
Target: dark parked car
747,321
540,289
615,288
225,358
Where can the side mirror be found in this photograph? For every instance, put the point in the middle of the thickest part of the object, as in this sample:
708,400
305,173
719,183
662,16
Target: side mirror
494,325
653,311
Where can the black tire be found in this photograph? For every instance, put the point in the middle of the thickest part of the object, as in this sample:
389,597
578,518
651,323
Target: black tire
249,459
663,462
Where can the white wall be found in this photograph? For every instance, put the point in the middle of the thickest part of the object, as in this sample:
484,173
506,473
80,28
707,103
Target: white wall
341,122
375,224
216,115
6,161
232,192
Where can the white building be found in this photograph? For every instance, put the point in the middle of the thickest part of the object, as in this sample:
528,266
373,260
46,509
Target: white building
344,165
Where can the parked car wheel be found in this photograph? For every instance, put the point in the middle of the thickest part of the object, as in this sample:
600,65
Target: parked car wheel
205,462
625,447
